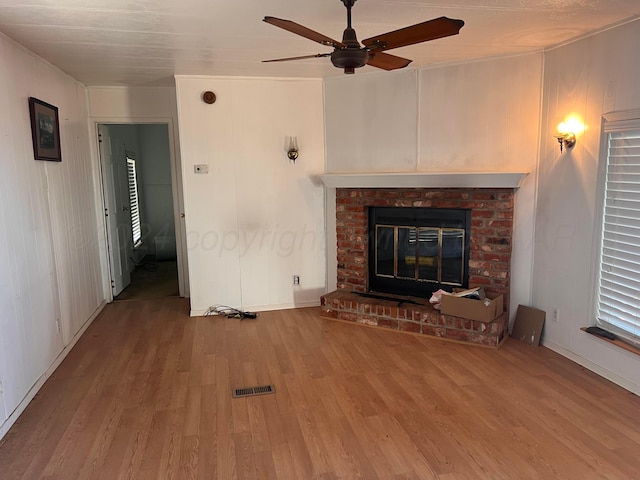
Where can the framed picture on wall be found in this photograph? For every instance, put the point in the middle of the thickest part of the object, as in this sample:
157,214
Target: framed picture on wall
45,130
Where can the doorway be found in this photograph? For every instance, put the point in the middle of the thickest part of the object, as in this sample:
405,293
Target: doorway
139,192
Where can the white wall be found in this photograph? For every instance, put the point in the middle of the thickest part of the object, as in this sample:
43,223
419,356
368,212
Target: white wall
371,122
148,105
49,252
479,117
255,219
132,102
588,78
154,177
484,117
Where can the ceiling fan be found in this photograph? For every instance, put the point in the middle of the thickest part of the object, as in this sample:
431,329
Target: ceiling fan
349,55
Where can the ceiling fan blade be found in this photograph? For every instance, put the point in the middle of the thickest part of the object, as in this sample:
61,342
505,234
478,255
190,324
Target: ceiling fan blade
317,55
422,32
386,61
305,32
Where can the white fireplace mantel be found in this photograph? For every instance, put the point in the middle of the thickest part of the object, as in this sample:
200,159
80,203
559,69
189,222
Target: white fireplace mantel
424,180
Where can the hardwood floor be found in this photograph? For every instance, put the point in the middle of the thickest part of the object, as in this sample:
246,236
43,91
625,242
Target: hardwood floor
146,393
152,279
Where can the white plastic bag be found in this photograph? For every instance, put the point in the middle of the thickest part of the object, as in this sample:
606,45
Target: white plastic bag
436,297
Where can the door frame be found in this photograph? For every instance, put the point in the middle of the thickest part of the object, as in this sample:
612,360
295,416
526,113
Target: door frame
176,192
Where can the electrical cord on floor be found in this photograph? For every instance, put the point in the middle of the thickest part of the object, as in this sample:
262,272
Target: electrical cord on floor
229,312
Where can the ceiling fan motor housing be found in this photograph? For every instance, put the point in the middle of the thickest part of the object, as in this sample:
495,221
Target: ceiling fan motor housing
351,57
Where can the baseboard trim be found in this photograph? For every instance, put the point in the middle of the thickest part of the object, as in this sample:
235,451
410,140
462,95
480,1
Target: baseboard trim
594,367
8,423
265,308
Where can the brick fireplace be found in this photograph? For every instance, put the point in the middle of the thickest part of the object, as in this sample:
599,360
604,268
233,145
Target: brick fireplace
491,233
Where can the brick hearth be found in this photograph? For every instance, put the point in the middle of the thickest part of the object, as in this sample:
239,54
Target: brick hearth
489,259
406,317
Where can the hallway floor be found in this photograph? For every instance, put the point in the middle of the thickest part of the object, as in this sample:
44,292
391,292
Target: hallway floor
152,279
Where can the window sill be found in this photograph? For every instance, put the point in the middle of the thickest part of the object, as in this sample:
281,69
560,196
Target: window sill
618,343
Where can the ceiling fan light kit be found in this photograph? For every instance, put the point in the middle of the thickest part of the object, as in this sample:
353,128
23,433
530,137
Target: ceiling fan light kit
349,54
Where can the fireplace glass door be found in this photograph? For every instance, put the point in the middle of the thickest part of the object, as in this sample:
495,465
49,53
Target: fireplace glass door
422,254
416,251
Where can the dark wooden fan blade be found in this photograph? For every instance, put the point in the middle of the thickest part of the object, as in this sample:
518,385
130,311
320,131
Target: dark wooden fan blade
305,32
422,32
386,61
317,55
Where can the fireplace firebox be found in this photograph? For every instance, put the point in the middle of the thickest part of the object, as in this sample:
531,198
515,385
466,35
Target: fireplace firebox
416,251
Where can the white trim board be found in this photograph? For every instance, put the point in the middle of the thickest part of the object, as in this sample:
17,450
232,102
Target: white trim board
265,308
594,367
424,180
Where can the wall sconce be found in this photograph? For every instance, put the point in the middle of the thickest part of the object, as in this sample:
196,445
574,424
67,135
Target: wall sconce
567,139
567,131
292,148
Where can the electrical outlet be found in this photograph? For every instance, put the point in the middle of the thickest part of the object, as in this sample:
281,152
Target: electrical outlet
556,315
202,168
58,325
296,279
1,390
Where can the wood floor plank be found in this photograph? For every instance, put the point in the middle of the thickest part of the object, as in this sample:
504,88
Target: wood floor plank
258,425
207,445
192,410
171,451
273,418
82,429
146,393
353,451
224,417
265,467
189,453
125,453
152,448
344,451
245,457
240,412
36,448
316,447
300,454
101,442
226,460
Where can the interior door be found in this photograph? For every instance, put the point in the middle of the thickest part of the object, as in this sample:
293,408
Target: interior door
119,237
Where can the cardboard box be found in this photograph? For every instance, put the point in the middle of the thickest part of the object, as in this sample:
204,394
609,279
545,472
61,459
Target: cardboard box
528,325
472,308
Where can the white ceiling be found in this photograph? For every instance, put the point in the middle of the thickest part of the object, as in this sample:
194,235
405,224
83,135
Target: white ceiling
146,42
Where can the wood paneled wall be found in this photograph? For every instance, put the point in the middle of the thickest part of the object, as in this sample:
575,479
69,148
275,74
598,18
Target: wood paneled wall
50,277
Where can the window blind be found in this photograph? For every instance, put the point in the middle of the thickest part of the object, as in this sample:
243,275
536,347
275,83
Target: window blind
133,201
618,307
